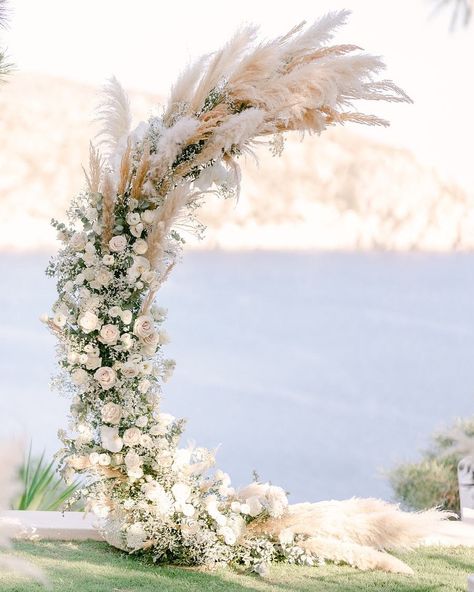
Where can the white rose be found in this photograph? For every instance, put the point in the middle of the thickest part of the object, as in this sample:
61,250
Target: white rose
111,413
148,216
104,460
78,241
181,492
91,214
89,274
129,370
143,326
140,246
59,320
150,343
115,311
72,357
89,259
89,322
149,277
118,243
127,341
132,460
104,277
126,316
136,230
109,334
153,491
108,259
228,535
94,458
140,265
146,441
79,376
93,362
188,510
110,439
136,536
141,421
131,437
133,218
100,509
106,377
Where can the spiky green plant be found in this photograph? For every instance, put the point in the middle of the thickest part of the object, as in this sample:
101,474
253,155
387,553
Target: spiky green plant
42,488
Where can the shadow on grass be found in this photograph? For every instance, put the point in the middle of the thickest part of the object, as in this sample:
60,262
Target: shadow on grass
96,567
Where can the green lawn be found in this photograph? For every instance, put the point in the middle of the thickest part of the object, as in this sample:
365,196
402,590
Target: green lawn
95,567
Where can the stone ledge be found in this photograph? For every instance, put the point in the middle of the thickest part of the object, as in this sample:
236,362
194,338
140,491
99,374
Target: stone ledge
70,526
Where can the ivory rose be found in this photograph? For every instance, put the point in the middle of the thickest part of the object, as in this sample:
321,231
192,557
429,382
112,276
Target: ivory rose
126,316
79,376
106,377
59,320
133,218
148,216
143,326
109,334
78,241
89,322
118,243
131,437
150,343
137,230
129,370
111,413
140,247
93,362
110,439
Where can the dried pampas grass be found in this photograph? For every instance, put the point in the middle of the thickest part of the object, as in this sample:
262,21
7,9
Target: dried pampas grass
94,176
113,115
355,531
108,201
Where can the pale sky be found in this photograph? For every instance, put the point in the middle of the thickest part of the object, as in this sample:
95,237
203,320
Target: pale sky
146,42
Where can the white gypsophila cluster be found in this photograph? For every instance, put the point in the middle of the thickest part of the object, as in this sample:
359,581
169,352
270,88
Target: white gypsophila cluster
122,240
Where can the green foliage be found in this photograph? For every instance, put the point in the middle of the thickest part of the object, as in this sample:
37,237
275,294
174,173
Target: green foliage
94,566
432,481
42,488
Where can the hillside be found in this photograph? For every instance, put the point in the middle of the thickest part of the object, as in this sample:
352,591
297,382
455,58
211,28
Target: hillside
338,191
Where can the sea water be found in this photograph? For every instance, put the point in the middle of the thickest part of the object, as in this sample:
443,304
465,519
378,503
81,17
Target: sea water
317,371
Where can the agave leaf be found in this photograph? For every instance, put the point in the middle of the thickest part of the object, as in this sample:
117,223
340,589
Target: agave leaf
43,489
